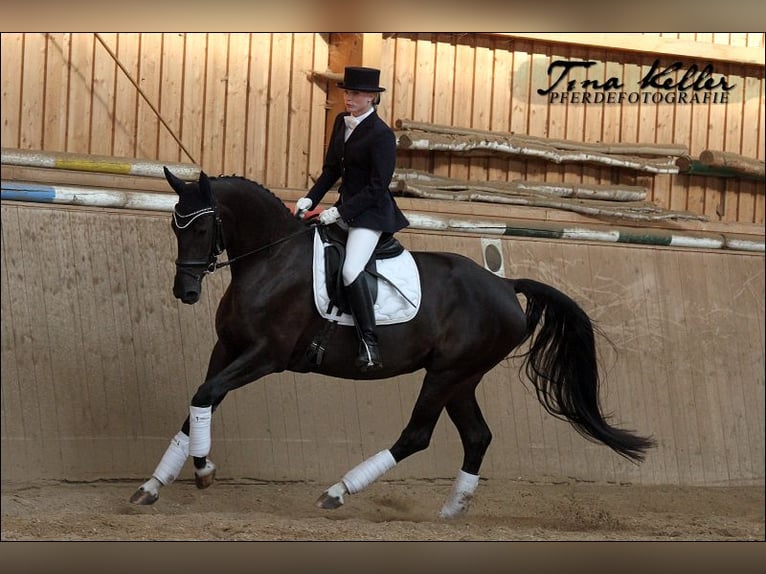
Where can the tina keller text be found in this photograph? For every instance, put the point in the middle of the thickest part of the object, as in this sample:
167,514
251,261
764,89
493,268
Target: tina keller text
659,85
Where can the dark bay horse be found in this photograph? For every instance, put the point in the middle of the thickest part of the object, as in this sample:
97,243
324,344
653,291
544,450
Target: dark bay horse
468,321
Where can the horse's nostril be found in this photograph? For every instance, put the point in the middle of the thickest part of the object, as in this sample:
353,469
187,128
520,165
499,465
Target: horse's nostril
190,297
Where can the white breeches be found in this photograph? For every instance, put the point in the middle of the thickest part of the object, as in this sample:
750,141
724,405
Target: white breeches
359,247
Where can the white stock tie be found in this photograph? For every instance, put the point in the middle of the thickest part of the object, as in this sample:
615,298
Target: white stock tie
351,123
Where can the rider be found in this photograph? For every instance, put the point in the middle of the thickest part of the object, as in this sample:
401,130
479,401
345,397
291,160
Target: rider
362,153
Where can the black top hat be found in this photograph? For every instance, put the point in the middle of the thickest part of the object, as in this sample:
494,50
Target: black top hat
361,79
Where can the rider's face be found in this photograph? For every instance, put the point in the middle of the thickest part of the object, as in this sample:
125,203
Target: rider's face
357,102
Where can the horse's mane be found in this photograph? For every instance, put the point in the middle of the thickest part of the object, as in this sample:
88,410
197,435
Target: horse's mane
240,183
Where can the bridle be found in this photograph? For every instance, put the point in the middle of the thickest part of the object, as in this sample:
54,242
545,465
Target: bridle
182,222
211,264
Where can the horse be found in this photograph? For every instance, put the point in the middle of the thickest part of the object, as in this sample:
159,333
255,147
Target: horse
469,320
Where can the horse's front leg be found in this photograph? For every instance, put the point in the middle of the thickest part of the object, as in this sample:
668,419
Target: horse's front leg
174,458
170,466
167,470
244,369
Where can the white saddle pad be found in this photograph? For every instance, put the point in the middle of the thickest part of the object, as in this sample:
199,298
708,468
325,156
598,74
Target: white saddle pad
390,306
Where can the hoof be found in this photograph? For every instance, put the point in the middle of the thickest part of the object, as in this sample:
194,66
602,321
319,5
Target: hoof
205,477
329,502
332,498
144,497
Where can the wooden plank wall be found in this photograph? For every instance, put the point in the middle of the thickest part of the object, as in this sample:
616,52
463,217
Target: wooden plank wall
99,362
247,104
237,103
488,82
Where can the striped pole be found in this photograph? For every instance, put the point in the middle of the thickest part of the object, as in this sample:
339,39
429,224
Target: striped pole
615,235
97,163
73,195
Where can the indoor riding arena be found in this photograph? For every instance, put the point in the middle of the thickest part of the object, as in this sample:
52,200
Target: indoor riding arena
626,170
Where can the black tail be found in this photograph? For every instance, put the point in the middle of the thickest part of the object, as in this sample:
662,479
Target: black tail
561,364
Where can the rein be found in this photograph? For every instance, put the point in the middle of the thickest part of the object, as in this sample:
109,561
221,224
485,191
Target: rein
262,248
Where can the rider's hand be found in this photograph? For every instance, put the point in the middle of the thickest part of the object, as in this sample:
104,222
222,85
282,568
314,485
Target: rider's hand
302,206
329,216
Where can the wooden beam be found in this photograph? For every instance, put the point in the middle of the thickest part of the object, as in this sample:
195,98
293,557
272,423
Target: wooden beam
658,45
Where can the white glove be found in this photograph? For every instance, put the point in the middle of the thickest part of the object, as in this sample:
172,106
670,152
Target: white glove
329,216
302,206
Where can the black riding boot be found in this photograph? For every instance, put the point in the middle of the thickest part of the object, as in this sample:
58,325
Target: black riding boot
360,300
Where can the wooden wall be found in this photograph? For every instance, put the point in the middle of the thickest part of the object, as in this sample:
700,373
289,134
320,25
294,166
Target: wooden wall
99,362
237,103
250,104
489,82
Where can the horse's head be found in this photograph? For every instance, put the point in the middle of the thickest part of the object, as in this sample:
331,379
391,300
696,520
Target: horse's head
197,227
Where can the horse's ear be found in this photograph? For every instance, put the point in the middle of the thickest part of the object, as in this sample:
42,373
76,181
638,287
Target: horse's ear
176,183
205,189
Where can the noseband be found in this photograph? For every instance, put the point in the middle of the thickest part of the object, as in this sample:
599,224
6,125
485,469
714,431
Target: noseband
216,248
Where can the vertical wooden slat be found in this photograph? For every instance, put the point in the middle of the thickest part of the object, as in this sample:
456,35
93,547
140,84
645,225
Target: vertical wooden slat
481,101
557,116
33,86
423,91
387,75
126,96
214,107
594,115
102,115
300,110
404,82
194,84
574,128
56,88
171,98
537,107
752,146
148,124
279,107
319,110
521,92
79,97
235,102
444,86
11,77
462,105
500,116
258,106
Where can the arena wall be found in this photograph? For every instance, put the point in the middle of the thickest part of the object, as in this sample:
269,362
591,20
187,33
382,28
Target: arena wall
99,362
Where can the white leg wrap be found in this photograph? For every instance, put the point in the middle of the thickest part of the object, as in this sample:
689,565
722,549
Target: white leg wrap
364,474
199,430
460,498
173,460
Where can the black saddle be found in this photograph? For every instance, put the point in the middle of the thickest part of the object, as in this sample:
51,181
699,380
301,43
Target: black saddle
335,238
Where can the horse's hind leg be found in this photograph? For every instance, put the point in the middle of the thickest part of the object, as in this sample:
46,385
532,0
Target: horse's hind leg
465,413
415,437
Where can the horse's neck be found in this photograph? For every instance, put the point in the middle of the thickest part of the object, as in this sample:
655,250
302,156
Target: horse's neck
251,222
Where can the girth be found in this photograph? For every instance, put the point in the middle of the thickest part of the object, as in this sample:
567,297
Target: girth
335,239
